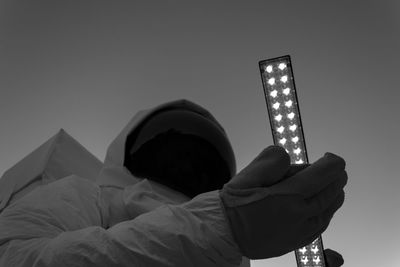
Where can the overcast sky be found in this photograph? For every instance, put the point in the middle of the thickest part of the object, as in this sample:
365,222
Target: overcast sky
89,66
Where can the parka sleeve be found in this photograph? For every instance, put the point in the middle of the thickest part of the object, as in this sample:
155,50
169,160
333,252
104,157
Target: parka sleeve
191,234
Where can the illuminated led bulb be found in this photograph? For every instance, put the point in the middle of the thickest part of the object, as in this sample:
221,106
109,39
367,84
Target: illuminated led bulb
303,250
297,151
304,259
286,91
282,141
271,81
282,66
300,161
280,129
290,115
295,139
293,127
284,78
278,117
268,69
273,93
288,103
316,259
276,105
314,249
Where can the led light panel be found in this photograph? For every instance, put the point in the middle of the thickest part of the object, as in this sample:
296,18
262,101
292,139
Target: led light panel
284,116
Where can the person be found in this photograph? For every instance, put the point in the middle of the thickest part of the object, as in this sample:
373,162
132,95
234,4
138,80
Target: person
169,195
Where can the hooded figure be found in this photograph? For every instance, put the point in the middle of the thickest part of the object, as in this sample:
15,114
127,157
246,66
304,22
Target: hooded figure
157,203
143,210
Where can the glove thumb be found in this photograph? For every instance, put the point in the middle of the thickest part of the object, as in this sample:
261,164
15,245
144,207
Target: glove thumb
268,168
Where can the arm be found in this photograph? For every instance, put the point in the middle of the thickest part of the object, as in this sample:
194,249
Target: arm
191,234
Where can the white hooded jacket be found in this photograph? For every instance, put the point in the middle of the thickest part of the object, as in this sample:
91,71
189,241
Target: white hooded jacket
119,220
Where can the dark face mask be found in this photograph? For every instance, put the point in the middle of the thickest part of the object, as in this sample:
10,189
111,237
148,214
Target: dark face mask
183,162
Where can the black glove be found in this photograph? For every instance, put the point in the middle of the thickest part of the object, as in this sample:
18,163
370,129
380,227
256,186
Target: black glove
274,208
332,258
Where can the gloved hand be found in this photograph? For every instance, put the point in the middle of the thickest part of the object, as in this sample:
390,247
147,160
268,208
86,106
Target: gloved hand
274,207
332,258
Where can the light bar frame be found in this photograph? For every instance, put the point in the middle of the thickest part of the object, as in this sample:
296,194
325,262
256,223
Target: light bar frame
311,255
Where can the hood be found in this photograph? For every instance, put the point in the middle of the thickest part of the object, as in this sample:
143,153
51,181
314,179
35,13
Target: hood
114,173
58,157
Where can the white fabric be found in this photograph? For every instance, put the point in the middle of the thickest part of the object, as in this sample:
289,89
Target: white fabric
119,221
58,157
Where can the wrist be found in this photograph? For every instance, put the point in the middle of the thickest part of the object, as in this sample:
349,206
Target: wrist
209,208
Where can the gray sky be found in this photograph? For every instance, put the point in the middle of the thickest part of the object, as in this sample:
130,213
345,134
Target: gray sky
89,66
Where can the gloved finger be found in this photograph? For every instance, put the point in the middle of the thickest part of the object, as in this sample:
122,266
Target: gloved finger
295,168
332,258
292,170
266,169
314,178
321,201
316,225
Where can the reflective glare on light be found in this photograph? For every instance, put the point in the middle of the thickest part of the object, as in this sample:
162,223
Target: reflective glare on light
284,79
297,151
278,117
288,103
300,161
269,68
295,139
280,129
293,127
282,141
290,115
276,105
274,93
282,66
286,91
271,81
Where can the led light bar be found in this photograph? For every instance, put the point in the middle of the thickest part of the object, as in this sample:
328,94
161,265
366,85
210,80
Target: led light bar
284,116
